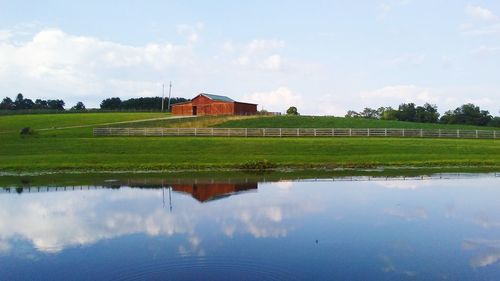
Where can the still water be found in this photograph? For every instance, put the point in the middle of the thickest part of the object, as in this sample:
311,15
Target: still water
446,228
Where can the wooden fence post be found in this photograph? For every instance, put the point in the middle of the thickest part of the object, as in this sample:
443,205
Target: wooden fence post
264,131
246,132
385,132
350,132
368,131
280,133
314,132
421,133
477,135
439,135
458,133
403,132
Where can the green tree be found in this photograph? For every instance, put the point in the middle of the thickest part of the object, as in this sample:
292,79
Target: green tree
407,112
79,106
292,111
7,104
56,104
111,103
352,114
389,114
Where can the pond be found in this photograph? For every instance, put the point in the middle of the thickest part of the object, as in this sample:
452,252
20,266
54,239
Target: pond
444,226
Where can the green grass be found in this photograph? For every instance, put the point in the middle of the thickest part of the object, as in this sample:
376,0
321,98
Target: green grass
198,122
13,123
334,122
77,150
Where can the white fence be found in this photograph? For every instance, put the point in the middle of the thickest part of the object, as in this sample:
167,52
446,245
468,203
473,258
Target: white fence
299,132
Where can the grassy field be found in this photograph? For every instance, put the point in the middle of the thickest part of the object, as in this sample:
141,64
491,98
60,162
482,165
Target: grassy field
77,150
334,122
198,122
13,123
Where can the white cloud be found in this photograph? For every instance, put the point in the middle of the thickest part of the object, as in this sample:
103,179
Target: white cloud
190,32
385,8
486,22
398,94
273,62
56,64
264,45
5,34
407,60
228,47
473,29
486,51
261,54
480,13
278,100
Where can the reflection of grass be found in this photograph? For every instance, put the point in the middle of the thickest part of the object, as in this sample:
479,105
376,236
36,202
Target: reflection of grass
335,122
160,179
196,122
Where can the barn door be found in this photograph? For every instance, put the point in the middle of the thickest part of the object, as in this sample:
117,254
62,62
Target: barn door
195,110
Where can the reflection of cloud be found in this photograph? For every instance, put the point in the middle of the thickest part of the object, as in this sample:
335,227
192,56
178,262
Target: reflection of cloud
390,267
485,259
4,247
490,248
65,219
408,214
285,185
485,221
54,221
400,184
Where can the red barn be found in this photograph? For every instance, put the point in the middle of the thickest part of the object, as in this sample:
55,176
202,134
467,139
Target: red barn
206,104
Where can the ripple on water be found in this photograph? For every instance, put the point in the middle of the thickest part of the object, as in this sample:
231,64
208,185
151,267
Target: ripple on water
204,268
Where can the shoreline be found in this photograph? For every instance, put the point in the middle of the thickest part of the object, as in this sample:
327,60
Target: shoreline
280,169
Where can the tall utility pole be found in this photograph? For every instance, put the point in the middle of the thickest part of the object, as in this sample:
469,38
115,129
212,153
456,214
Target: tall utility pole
162,96
169,93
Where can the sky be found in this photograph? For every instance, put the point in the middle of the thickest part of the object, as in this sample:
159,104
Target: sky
324,57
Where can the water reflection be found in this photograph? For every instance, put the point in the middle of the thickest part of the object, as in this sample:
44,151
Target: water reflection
399,229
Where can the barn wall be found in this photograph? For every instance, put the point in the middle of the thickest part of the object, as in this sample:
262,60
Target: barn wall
206,106
245,108
182,109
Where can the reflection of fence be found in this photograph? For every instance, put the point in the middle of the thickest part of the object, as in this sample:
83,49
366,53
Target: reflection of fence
162,183
298,132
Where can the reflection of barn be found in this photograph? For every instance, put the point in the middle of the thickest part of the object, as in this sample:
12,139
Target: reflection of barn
206,104
213,191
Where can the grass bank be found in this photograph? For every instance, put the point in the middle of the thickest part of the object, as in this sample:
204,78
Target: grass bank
77,150
336,122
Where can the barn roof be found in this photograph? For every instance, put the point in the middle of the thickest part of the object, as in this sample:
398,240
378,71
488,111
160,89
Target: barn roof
218,98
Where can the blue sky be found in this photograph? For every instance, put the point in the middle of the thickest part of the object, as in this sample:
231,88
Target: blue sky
324,57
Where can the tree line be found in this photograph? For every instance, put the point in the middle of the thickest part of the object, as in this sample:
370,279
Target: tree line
148,103
467,114
21,103
144,103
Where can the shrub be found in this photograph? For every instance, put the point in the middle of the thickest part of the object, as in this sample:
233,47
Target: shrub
26,131
259,165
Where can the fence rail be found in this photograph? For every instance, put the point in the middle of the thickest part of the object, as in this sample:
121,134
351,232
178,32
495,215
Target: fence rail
298,132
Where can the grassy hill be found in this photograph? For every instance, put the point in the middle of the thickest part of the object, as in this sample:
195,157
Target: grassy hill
75,149
13,123
334,122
